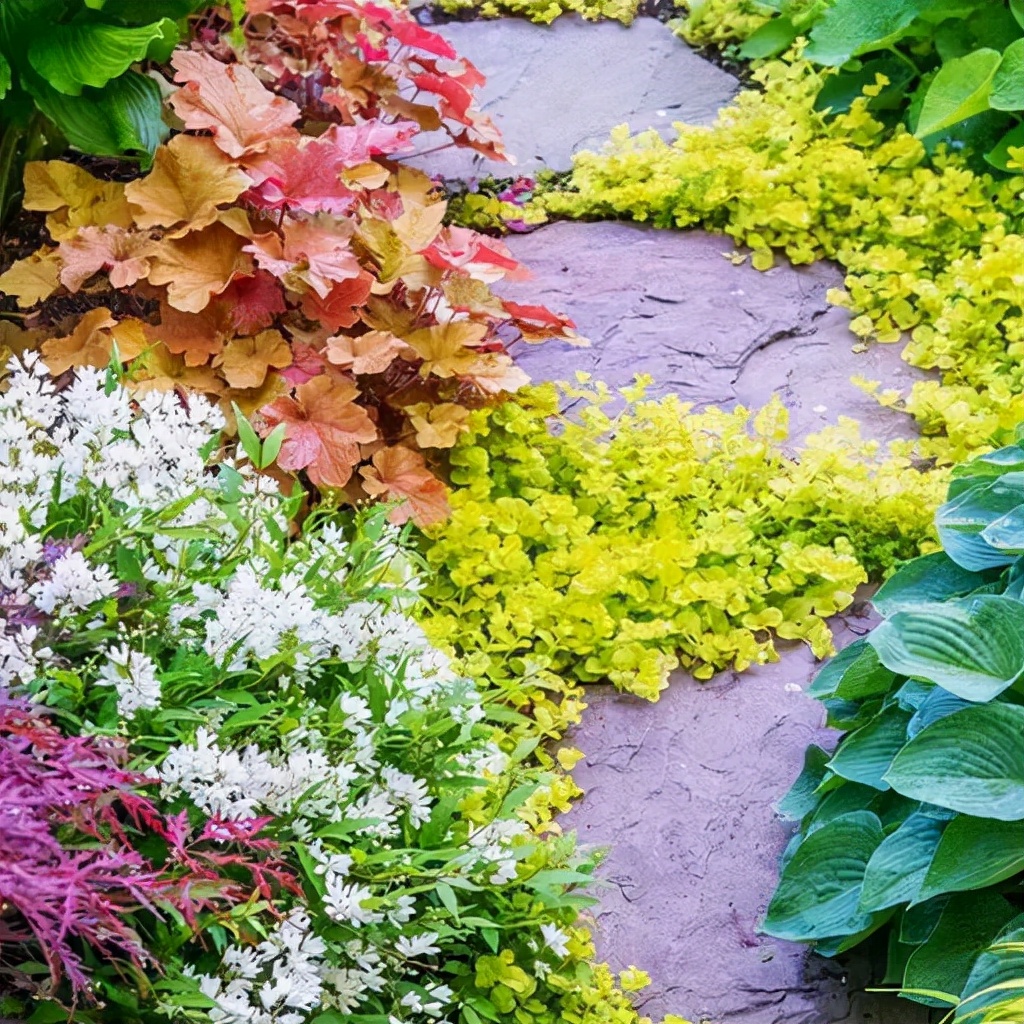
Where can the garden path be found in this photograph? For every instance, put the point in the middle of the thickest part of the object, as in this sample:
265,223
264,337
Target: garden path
683,790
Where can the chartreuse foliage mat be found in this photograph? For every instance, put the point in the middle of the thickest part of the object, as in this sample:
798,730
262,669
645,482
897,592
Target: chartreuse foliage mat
545,11
915,823
930,247
617,547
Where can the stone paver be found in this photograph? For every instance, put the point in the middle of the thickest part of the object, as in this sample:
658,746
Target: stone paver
557,89
669,304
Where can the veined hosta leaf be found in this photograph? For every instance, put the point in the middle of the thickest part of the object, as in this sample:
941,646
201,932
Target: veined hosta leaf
958,91
934,577
995,988
802,797
1007,532
966,928
973,647
78,54
1008,83
974,853
938,704
972,762
853,674
819,892
899,865
865,755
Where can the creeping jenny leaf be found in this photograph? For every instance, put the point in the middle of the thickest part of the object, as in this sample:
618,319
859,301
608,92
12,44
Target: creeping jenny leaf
973,647
820,887
958,91
971,761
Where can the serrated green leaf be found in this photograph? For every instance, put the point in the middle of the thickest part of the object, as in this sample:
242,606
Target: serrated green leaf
898,866
974,853
973,647
819,891
971,762
959,90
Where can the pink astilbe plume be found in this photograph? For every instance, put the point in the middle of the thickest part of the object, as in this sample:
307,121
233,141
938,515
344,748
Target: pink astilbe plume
69,877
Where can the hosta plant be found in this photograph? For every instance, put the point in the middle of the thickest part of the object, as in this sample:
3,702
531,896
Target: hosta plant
915,822
272,691
277,257
70,73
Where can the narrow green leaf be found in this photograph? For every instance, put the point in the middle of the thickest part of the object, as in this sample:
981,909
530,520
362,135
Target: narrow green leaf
971,761
5,76
973,647
446,894
959,90
974,853
1008,83
247,436
272,445
900,863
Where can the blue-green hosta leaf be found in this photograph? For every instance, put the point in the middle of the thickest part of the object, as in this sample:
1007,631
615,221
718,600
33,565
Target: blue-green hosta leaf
802,797
973,647
1007,532
853,674
971,762
959,90
934,577
938,704
92,53
995,987
864,755
974,853
1008,83
899,865
819,891
966,928
851,27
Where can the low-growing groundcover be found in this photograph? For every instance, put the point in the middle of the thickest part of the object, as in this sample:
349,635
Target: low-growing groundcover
915,823
317,817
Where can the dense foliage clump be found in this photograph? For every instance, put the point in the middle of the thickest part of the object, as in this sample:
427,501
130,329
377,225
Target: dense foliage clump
915,823
545,11
615,547
929,246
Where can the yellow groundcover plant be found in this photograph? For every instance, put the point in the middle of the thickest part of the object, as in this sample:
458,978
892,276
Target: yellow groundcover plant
930,246
618,547
545,11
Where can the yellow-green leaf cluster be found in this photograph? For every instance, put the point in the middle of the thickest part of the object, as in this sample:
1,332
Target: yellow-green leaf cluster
545,11
616,547
930,246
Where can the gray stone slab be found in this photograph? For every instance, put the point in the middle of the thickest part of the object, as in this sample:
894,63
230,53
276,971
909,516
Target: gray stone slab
554,90
670,304
682,793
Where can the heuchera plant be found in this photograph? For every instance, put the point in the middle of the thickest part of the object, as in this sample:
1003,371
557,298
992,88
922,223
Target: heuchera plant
289,264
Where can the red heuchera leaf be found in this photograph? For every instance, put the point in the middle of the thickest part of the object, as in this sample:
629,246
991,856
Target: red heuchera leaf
253,302
230,101
69,876
474,255
324,428
398,474
536,323
407,30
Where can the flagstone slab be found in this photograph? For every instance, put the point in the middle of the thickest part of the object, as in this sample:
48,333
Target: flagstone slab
556,89
671,305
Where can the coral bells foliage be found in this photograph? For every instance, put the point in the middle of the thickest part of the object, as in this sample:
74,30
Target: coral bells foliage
288,262
290,721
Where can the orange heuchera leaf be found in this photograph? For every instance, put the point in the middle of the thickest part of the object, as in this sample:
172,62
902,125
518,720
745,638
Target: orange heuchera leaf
494,372
73,198
123,254
160,370
372,352
196,336
91,342
198,266
32,279
447,349
190,178
230,101
437,426
340,306
398,474
313,254
245,362
324,428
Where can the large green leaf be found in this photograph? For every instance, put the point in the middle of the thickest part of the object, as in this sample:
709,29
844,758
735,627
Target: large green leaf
853,674
996,981
973,853
142,12
79,54
966,928
899,865
938,704
852,27
1008,83
934,577
972,762
1007,532
959,90
999,155
802,797
973,647
864,756
772,38
820,887
123,117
